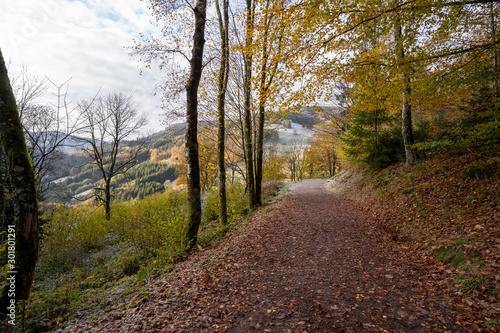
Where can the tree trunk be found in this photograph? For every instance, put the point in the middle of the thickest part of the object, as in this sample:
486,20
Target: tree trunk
406,126
330,163
259,157
247,115
261,119
496,87
5,196
222,85
193,214
268,71
375,129
292,170
107,199
22,181
334,164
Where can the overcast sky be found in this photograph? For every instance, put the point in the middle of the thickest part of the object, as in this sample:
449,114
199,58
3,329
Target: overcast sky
83,40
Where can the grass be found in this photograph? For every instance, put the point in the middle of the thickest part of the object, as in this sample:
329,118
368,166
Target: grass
454,254
407,190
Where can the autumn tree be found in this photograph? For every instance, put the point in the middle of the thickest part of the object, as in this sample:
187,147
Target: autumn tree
272,26
425,48
22,181
222,81
406,112
193,174
247,92
273,164
293,154
109,121
269,37
171,52
209,158
464,79
321,157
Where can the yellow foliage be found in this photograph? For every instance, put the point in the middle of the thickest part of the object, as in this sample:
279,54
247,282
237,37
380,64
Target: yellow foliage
71,232
273,165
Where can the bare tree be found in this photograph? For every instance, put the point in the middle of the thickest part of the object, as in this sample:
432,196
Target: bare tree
44,143
109,121
294,155
27,88
47,127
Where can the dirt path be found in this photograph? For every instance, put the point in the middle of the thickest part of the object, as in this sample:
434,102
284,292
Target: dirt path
311,262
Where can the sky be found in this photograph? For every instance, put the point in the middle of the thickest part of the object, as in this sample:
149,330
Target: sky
83,41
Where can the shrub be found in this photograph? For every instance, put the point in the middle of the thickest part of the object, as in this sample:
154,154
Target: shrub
71,232
236,203
270,188
210,206
152,224
127,263
489,168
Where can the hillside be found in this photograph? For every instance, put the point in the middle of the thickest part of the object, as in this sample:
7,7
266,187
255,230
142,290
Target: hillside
160,162
327,166
310,262
446,209
416,239
154,172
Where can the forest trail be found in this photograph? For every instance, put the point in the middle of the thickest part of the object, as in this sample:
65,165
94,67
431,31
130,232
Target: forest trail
310,262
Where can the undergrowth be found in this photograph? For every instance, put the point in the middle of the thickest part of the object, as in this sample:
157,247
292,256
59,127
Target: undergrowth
88,264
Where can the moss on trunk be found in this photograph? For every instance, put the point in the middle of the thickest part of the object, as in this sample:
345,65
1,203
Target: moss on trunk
22,181
193,216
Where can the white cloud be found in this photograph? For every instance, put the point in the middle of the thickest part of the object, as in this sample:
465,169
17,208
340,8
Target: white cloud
82,40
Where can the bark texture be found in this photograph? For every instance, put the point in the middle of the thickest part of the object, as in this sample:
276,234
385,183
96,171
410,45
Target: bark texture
221,97
406,117
261,120
247,117
193,216
107,199
406,122
495,51
22,181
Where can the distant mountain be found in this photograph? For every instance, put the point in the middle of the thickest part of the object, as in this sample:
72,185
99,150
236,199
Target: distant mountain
77,176
70,144
157,164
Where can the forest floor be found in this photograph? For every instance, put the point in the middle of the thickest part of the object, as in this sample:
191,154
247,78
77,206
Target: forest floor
310,262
